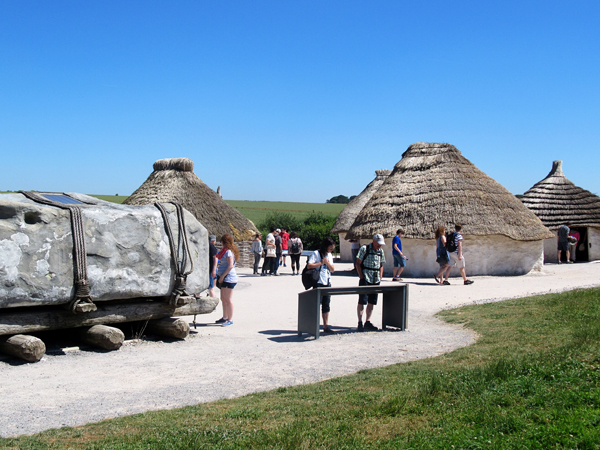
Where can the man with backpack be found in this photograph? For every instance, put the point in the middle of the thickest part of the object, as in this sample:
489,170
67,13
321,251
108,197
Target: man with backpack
454,245
369,265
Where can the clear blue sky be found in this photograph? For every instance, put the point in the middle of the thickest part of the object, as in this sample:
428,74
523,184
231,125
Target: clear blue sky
294,100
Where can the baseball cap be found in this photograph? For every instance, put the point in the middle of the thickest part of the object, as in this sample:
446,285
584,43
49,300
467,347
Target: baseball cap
379,239
212,237
278,230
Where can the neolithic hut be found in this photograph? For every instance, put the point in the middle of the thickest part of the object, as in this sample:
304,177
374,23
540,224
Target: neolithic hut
433,185
349,213
557,201
174,180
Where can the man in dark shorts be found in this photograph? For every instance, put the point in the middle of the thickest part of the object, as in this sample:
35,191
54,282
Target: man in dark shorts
369,265
563,243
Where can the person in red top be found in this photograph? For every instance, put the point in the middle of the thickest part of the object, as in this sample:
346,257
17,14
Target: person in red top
285,237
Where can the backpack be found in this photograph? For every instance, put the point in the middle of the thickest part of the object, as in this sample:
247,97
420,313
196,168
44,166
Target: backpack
451,242
310,277
369,251
295,247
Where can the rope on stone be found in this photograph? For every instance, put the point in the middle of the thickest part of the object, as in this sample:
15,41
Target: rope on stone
82,300
180,273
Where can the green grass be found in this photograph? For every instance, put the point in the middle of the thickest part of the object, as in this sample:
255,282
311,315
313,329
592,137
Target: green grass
532,381
257,211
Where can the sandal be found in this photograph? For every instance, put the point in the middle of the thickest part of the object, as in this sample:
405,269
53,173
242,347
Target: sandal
446,283
437,280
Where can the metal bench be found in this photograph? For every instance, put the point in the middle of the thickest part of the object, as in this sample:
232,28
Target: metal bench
395,305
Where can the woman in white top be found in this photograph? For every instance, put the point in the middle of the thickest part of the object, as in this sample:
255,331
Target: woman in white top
227,277
322,260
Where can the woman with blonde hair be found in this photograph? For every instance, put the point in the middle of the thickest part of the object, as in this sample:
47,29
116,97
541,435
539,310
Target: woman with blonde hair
443,258
227,277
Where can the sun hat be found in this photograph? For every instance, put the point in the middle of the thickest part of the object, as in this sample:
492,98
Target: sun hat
379,239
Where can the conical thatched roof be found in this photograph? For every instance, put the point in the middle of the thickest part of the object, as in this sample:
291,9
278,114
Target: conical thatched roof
433,185
557,201
349,213
174,180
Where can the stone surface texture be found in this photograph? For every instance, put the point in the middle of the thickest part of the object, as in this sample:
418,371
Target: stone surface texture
127,247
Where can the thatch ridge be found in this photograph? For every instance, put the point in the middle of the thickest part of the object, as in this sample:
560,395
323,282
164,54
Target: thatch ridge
557,201
348,214
434,184
173,180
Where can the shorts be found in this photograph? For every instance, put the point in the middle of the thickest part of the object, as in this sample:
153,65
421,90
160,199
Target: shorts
225,284
455,262
399,261
285,252
363,299
563,246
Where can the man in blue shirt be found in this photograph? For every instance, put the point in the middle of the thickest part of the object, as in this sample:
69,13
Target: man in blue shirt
399,258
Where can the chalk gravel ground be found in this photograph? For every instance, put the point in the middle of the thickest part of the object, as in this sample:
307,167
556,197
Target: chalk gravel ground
261,351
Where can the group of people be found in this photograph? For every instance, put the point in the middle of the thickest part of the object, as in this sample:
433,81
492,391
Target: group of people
279,244
567,242
370,259
449,251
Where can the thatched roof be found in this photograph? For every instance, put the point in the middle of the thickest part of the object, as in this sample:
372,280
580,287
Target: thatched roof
433,185
174,180
557,201
349,213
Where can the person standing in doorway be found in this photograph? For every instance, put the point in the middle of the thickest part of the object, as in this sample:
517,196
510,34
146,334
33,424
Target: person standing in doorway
563,242
456,257
573,241
399,257
369,265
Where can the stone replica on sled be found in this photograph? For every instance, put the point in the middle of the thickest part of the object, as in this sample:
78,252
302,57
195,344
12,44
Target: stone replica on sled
70,261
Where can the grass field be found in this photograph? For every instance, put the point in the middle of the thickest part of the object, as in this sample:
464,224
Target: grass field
256,211
531,381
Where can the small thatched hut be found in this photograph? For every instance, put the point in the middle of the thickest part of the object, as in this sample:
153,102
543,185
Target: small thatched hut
174,180
433,185
557,201
349,213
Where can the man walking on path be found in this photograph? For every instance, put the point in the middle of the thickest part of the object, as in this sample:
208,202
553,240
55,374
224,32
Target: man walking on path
563,242
457,255
399,258
369,265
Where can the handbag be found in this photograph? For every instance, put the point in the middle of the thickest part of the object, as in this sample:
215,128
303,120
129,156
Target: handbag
271,252
443,258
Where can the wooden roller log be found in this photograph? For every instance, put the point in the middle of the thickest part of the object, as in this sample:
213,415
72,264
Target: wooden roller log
172,327
23,346
102,336
31,320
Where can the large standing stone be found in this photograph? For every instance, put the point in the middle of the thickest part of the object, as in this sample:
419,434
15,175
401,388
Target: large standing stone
128,252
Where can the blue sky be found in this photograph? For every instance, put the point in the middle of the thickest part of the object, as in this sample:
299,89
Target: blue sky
294,101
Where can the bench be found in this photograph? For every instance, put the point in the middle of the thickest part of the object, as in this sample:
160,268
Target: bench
395,305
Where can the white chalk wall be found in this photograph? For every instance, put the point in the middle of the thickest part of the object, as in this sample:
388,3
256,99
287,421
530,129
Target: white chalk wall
594,240
484,255
345,249
551,250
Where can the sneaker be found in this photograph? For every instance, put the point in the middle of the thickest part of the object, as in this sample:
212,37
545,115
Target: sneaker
370,327
569,262
446,283
360,327
469,282
263,274
221,320
284,265
328,330
395,279
560,262
226,324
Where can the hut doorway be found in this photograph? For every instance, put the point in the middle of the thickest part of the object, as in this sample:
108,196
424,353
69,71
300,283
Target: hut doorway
581,252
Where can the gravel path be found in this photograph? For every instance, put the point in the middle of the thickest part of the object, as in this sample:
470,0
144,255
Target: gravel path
261,351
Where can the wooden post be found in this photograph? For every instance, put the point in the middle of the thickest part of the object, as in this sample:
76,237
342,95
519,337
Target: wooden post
31,320
23,346
172,327
102,336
